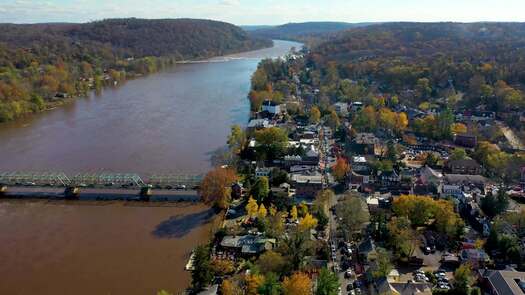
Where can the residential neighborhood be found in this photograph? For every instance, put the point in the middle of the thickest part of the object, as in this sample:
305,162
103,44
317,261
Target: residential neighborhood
360,196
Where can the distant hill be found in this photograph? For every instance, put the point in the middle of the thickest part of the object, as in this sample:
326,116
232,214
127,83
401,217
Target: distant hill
255,27
300,31
481,41
185,38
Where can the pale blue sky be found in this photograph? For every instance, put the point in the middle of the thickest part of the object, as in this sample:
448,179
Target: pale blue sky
243,12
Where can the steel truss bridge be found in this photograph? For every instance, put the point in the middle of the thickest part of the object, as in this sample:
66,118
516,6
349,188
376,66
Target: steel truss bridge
104,179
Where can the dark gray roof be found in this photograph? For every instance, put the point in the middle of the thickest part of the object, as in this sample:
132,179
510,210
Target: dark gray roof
505,281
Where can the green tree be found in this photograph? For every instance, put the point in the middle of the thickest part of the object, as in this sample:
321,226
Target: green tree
261,189
463,279
202,273
353,214
327,283
271,262
296,247
383,263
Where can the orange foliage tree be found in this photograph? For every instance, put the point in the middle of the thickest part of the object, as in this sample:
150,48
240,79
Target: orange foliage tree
297,284
216,187
340,169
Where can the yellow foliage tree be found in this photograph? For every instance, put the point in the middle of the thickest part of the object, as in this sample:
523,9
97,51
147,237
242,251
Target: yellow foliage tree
262,211
308,222
401,122
459,128
252,208
293,213
272,210
229,287
297,284
253,282
315,115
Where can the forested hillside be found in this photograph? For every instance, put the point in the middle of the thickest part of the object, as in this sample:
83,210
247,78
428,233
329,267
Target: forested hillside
485,61
43,63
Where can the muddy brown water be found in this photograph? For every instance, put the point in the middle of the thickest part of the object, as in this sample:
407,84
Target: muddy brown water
166,122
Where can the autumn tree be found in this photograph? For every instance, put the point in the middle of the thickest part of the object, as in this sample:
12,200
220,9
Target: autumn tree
293,213
402,238
252,208
459,128
333,120
215,188
229,287
262,212
341,169
222,267
253,283
271,285
297,284
236,139
315,115
307,222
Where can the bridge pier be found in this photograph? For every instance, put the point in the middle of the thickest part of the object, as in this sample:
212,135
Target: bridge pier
72,192
145,193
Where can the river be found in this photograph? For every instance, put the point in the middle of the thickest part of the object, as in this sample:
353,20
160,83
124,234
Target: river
167,122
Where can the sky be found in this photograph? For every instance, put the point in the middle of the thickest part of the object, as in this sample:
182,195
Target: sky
264,12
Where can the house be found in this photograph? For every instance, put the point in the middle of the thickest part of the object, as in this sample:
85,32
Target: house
247,245
357,181
365,143
237,190
356,106
463,166
263,172
388,178
502,282
383,287
307,185
360,165
477,181
341,108
466,140
258,124
366,249
429,176
272,107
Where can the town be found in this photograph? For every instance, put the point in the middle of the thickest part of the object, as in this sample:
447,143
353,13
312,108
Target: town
365,195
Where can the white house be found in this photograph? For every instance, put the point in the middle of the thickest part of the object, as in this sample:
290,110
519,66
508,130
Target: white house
272,107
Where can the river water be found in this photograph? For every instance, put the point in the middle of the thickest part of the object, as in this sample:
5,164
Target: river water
166,122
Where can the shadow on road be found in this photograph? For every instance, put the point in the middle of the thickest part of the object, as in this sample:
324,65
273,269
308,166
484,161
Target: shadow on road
180,225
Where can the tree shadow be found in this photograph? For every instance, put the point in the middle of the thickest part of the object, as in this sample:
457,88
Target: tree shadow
180,225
